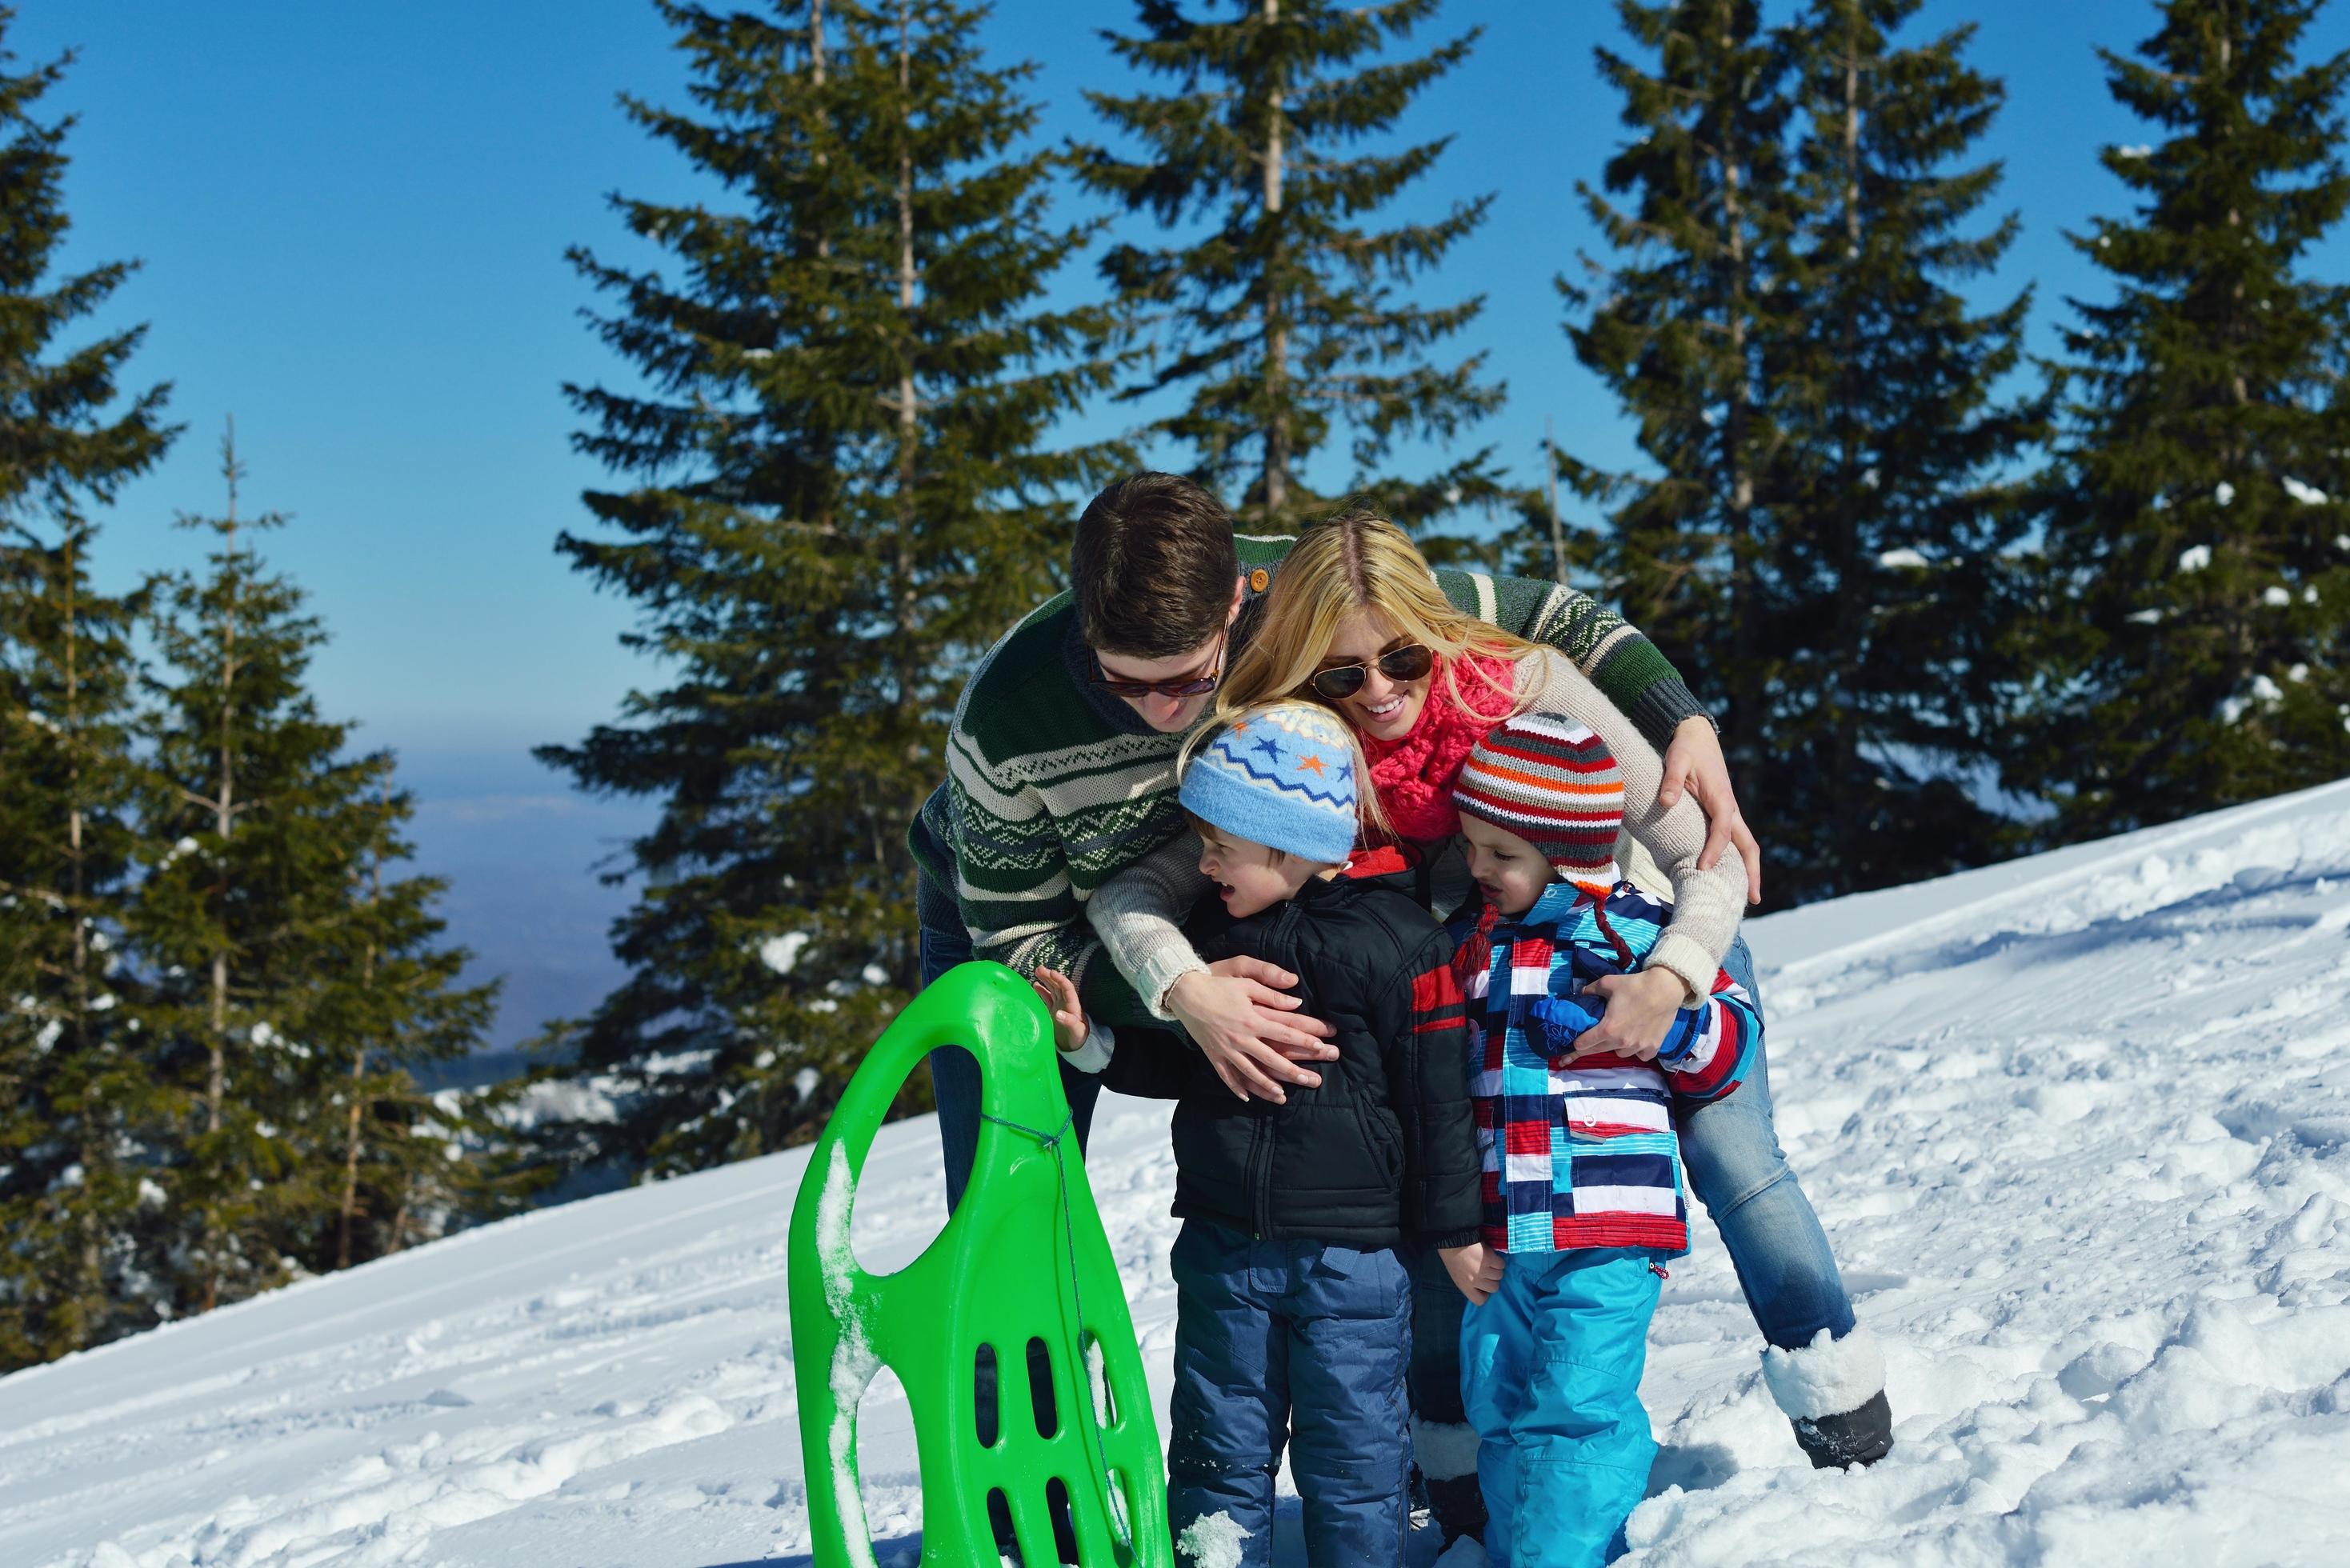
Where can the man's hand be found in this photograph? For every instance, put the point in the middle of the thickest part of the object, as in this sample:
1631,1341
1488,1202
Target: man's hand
1694,762
1475,1268
1640,1009
1239,1012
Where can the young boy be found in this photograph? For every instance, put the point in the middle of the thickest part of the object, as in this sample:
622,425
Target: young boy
1292,1308
1583,1193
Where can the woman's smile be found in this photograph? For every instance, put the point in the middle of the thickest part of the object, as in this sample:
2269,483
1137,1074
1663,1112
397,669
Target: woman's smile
1385,708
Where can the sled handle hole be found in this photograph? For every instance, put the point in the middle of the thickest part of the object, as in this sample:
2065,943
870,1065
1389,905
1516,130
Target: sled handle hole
986,1403
1043,1402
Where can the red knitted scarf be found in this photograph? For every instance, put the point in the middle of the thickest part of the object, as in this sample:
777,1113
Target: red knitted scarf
1414,774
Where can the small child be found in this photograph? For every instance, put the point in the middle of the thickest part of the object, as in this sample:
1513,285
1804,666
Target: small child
1294,1312
1583,1192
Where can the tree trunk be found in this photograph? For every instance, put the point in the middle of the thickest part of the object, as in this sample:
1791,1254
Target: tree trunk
1843,711
1276,319
354,1121
1746,675
224,823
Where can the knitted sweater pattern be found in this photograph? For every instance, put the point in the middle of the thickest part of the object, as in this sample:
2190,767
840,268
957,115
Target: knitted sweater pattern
1051,787
1413,773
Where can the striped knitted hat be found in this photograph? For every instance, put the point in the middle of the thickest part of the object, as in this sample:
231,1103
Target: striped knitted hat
1555,785
1281,774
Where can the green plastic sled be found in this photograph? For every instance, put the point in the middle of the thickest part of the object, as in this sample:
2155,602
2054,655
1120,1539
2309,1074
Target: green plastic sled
1024,1258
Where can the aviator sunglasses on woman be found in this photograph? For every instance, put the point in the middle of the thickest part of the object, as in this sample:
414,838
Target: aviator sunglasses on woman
1340,682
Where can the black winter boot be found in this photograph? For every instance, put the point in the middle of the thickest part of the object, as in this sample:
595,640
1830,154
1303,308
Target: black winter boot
1859,1436
1458,1508
1833,1390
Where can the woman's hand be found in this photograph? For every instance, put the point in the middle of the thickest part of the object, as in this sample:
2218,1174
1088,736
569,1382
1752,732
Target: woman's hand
1060,994
1475,1268
1694,762
1640,1009
1239,1012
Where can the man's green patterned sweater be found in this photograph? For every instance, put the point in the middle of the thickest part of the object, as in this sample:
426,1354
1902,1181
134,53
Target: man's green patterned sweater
1053,784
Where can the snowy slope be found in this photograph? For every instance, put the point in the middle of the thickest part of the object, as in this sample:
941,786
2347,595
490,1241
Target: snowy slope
2079,1126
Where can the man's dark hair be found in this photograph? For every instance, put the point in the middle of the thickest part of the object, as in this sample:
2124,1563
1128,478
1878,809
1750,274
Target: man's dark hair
1153,567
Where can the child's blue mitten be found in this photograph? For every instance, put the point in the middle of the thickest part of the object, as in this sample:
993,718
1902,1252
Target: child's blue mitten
1553,1023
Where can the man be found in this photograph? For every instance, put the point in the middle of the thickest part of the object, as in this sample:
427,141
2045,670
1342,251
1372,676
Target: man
1061,772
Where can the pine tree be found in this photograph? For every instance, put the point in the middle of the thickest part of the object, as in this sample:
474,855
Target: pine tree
1892,503
1291,322
408,1165
76,1110
2195,613
842,495
1698,207
275,963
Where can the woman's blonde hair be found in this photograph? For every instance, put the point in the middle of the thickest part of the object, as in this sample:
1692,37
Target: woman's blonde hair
1352,563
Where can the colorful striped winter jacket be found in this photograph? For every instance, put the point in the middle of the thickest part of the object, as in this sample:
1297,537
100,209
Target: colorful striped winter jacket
1582,1153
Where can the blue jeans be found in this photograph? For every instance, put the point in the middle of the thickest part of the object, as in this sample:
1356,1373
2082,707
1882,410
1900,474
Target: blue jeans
1550,1369
1290,1344
1730,1152
954,1075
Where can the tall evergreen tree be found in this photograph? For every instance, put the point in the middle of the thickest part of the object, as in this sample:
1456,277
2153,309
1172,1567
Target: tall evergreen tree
76,1110
291,985
2196,616
1698,208
842,493
1290,321
1891,497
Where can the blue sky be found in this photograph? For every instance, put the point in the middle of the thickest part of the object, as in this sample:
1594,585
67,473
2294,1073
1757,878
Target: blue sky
352,222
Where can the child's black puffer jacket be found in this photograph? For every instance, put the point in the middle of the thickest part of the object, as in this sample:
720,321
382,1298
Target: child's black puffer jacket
1386,1150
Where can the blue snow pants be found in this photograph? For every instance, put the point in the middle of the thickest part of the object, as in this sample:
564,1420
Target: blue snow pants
1550,1369
1295,1342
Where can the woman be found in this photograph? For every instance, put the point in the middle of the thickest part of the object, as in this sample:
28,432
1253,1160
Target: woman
1354,620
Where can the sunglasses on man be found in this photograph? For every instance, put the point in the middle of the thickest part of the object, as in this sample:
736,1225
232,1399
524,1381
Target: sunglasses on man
1340,682
1189,686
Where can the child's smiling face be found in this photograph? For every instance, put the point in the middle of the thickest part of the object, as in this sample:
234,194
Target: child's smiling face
1248,876
1509,872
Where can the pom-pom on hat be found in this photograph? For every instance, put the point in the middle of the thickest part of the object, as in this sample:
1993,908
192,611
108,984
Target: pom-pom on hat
1555,785
1281,774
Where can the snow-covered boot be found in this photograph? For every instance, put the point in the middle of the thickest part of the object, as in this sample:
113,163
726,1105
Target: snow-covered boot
1445,1453
1833,1390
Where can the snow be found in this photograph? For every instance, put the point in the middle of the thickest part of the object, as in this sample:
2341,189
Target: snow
2307,494
1443,1449
1211,1540
2138,150
2223,492
2276,596
853,1361
1902,557
2195,557
781,953
2078,1125
1829,1376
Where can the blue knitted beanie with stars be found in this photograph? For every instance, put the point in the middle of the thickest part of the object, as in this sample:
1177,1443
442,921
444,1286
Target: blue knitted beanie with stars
1281,774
